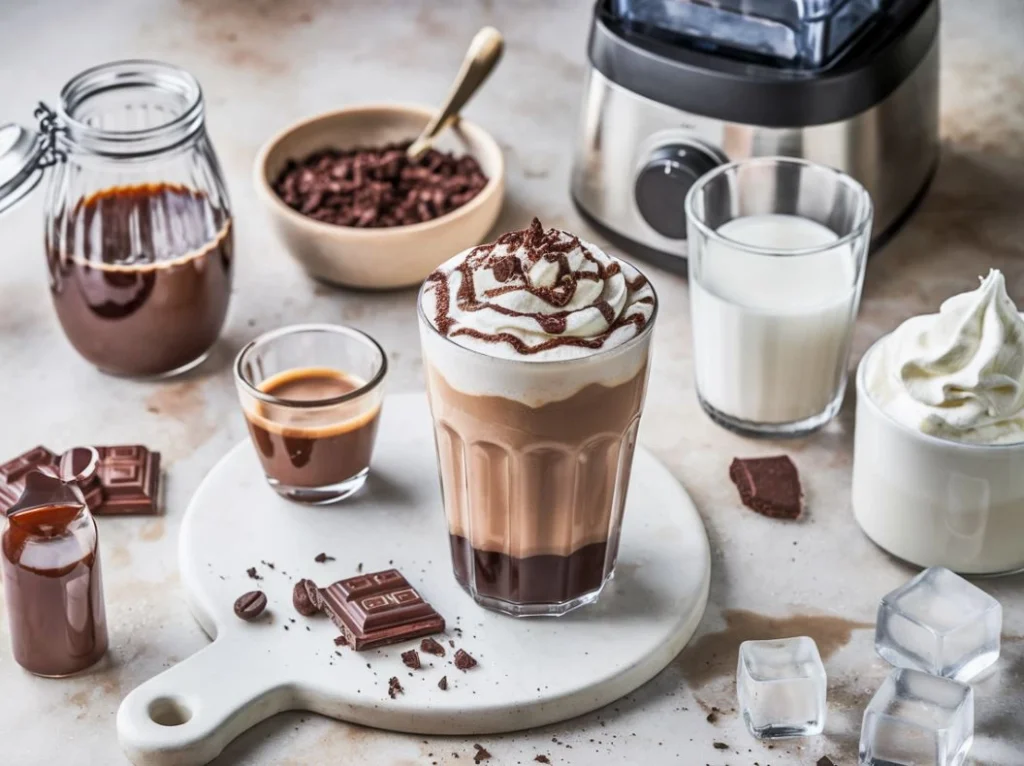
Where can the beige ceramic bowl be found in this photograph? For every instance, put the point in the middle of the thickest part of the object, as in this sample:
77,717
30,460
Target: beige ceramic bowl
379,258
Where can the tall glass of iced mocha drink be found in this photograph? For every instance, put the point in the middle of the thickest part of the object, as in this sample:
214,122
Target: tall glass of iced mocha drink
536,350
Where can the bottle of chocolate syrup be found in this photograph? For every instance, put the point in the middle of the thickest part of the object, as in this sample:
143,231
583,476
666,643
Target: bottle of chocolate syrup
51,572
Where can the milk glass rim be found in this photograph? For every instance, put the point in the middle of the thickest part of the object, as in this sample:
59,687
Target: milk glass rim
863,394
643,335
860,229
297,329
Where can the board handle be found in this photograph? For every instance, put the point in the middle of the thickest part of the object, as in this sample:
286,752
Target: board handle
188,714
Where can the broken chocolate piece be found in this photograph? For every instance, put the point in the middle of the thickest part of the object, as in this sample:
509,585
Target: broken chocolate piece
768,485
411,659
379,609
430,646
250,605
443,684
481,754
394,687
320,558
463,660
340,640
306,598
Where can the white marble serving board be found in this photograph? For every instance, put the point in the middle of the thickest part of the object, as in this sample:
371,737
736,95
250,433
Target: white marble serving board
531,671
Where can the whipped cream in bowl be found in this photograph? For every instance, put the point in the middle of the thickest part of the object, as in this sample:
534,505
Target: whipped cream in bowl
938,474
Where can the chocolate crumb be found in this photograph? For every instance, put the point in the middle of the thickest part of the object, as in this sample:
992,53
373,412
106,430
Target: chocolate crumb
320,558
481,754
306,598
394,687
411,659
253,574
463,660
443,684
713,715
542,759
341,640
359,567
720,746
825,761
451,643
430,646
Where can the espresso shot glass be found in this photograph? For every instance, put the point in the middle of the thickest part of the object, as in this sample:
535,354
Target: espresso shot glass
311,395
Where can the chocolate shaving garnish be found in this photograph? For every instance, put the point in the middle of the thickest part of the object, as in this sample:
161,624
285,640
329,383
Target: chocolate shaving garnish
430,646
411,659
463,660
320,558
394,687
768,485
443,684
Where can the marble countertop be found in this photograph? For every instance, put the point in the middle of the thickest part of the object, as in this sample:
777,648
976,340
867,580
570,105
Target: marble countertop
264,64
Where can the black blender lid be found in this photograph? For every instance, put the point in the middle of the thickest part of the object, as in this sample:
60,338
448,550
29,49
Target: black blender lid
708,79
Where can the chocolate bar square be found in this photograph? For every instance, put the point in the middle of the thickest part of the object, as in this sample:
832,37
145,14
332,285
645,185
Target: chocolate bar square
379,609
130,476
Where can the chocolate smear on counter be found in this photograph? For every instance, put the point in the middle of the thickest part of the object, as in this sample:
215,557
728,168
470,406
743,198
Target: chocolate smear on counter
443,684
768,485
463,660
250,605
378,609
430,646
306,598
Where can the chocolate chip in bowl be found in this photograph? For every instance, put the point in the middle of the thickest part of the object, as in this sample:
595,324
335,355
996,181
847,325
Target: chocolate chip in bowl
354,211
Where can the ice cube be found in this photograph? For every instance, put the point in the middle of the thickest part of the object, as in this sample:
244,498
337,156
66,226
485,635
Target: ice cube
781,687
917,719
941,624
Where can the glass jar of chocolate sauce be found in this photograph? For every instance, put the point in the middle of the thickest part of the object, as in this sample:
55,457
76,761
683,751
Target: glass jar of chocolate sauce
138,230
49,556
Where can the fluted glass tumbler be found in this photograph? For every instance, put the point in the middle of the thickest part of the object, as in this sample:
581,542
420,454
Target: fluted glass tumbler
534,460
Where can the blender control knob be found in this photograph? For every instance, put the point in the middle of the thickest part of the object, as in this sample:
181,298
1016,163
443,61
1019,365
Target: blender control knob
662,184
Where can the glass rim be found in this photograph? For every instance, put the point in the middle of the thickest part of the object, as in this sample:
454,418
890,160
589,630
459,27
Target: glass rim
937,441
314,327
865,213
131,73
643,334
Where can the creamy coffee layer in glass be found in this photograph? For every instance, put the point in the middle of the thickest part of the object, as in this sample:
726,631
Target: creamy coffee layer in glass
311,395
536,349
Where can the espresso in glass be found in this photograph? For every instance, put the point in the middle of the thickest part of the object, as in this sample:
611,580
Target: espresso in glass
311,396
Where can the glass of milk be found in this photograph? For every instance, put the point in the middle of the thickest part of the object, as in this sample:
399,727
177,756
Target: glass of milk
777,248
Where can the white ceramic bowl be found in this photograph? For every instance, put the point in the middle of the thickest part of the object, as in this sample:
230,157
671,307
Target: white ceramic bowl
384,258
935,502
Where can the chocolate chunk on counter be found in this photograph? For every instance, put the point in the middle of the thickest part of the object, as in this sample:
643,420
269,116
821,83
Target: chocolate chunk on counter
463,660
253,574
250,605
825,761
768,485
378,609
481,754
443,684
542,759
394,687
320,558
430,646
306,598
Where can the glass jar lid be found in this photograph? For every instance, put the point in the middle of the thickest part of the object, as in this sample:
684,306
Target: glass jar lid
21,150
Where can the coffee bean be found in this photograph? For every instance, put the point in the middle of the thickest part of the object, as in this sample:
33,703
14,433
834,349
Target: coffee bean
250,605
306,598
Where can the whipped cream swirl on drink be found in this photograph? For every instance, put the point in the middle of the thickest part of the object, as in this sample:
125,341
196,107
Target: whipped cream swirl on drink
539,295
958,374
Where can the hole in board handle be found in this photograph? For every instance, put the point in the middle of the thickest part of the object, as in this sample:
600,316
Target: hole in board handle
169,711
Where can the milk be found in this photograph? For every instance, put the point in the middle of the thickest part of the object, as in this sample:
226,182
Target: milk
772,332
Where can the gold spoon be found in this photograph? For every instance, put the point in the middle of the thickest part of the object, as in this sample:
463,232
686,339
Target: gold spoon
483,54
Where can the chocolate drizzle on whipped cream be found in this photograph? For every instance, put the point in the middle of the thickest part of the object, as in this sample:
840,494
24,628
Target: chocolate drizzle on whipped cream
538,290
